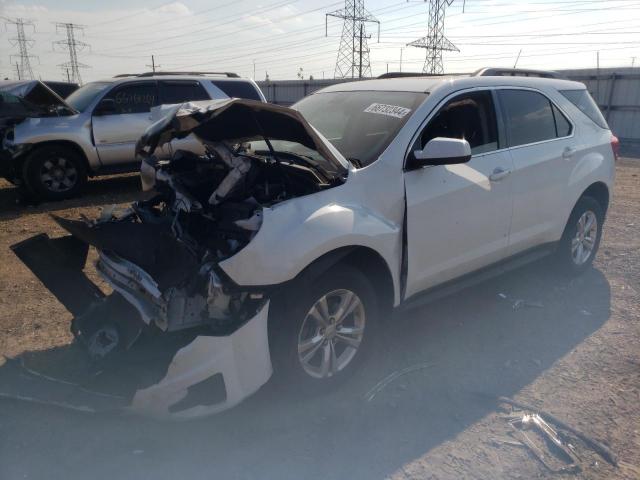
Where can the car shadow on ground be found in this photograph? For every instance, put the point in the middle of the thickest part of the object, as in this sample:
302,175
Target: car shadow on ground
97,192
474,346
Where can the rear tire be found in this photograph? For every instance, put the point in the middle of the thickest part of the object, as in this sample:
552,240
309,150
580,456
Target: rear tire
322,330
54,173
581,237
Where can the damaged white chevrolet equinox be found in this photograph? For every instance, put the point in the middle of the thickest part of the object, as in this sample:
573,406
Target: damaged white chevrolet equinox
285,244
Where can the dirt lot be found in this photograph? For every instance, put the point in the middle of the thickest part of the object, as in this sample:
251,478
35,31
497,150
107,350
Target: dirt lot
576,357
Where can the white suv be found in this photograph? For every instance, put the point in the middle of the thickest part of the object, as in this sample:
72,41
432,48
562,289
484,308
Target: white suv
300,229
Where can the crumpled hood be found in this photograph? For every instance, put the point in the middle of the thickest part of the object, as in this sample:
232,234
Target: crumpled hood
30,99
238,120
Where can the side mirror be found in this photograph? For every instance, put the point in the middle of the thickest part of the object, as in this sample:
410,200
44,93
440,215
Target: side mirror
440,151
106,107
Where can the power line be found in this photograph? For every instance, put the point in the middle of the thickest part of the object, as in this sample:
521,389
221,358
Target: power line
72,46
23,66
353,53
434,41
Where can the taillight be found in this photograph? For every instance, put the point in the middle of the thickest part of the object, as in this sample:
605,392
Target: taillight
615,146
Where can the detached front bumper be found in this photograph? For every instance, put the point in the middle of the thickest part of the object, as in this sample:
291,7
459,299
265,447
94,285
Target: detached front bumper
239,363
182,374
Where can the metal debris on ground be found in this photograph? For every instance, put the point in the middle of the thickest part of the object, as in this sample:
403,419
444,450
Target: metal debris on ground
390,378
556,453
520,303
560,441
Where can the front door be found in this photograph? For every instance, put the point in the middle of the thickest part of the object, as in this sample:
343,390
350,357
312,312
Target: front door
458,216
116,133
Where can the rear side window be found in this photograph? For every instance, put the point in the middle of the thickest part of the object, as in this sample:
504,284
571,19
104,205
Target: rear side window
237,89
586,104
531,117
181,91
135,98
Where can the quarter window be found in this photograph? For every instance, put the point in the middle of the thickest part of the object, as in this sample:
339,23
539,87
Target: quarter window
586,104
181,91
237,89
136,98
471,117
531,117
563,127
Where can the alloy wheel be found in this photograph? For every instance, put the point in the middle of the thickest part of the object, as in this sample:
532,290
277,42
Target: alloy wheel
331,333
58,175
584,240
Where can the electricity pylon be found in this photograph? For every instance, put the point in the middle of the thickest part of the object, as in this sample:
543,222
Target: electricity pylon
23,63
73,46
353,53
434,41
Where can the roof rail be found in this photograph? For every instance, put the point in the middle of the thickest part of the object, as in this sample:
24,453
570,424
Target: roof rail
408,74
153,74
157,74
516,72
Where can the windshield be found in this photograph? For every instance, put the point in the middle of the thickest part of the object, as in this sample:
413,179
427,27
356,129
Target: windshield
359,124
84,96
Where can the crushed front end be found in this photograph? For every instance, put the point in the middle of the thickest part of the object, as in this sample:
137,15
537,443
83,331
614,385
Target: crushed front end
172,307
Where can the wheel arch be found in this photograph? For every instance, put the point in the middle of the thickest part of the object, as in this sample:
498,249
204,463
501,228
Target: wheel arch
362,258
599,192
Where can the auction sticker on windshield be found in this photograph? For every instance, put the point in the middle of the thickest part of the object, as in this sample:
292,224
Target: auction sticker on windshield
388,110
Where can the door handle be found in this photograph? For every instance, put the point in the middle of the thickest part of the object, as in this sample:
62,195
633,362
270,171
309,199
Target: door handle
498,174
568,152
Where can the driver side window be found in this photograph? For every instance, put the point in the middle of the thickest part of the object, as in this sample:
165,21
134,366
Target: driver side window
470,116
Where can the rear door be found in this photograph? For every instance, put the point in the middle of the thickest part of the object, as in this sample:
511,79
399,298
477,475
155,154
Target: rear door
116,134
458,216
541,145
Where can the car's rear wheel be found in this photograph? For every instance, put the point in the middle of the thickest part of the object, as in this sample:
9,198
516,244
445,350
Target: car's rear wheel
323,329
581,237
54,173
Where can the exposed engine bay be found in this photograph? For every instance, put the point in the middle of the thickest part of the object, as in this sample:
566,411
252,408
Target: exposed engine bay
161,254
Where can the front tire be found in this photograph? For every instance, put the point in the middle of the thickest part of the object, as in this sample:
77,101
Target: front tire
581,238
322,330
54,173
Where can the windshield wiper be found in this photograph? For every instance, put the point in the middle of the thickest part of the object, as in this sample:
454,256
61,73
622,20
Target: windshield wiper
309,162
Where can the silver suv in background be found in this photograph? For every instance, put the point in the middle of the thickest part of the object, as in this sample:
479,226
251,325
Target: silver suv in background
52,155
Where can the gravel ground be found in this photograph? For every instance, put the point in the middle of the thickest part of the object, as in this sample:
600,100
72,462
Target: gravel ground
576,357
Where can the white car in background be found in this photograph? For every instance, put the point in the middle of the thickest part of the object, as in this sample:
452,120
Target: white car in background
300,229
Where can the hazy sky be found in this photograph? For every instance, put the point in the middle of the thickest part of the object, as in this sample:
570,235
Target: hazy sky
282,36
